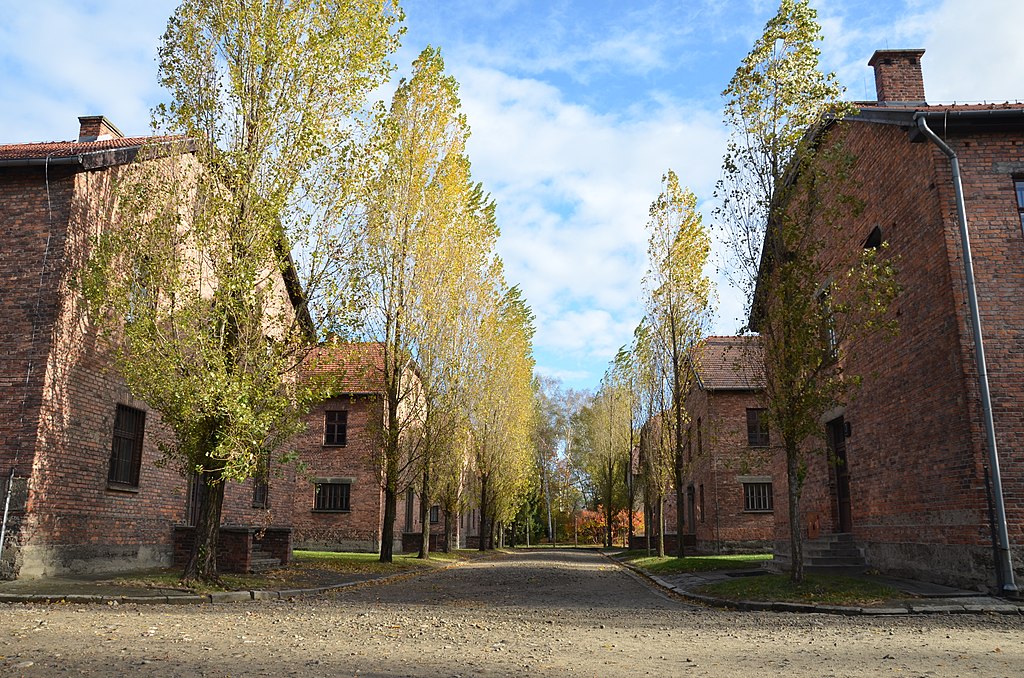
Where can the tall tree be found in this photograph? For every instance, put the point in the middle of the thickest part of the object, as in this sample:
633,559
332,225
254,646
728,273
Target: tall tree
502,414
656,444
783,183
427,235
679,298
189,279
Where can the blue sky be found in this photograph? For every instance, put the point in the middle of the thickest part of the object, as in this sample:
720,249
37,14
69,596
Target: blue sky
577,109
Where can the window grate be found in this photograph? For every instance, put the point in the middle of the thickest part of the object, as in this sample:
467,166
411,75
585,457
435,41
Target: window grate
1019,187
331,497
126,450
757,497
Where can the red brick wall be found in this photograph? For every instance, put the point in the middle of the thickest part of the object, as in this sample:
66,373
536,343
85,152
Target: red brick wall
915,456
721,523
360,460
73,520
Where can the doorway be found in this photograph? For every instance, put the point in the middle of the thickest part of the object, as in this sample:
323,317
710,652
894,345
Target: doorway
836,438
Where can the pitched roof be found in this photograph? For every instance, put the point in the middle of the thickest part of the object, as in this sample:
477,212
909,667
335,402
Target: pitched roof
353,368
89,154
728,363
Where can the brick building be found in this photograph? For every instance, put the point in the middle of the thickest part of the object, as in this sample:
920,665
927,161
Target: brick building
727,476
78,451
728,486
909,482
338,499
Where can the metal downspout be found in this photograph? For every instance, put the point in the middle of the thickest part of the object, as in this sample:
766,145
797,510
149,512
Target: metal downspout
7,506
1005,563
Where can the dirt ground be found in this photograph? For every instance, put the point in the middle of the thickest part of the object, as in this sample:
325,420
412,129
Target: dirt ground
537,612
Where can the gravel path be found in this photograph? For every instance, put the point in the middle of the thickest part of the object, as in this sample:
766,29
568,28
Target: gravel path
539,612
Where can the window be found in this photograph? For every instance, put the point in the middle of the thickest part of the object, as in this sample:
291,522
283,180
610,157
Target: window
261,482
126,452
435,513
700,439
827,325
757,496
409,497
336,428
689,446
757,427
702,513
331,494
1018,184
874,239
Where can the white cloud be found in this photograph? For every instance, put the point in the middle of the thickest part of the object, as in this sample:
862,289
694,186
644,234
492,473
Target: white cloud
66,60
573,189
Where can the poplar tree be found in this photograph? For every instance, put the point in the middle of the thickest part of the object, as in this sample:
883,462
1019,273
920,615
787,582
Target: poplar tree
784,180
188,279
502,413
427,236
679,298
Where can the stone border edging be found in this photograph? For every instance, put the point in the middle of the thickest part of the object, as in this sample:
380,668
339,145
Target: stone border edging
805,608
227,596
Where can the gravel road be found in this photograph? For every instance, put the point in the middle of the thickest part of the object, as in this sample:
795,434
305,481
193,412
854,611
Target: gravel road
535,612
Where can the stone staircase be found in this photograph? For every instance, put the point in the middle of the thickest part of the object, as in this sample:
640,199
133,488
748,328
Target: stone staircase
835,554
830,553
262,561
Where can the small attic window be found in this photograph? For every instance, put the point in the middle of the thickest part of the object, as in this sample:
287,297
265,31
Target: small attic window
874,240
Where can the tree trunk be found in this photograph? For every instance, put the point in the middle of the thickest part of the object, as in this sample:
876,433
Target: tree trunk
796,544
648,524
680,517
425,515
449,532
202,561
608,505
387,533
661,527
483,512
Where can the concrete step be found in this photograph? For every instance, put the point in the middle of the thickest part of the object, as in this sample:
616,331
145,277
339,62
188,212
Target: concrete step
826,561
845,552
261,561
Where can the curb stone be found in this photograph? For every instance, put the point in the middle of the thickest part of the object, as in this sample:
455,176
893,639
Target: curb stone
221,597
810,608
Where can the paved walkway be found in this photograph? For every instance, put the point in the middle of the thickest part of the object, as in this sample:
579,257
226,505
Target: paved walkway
922,597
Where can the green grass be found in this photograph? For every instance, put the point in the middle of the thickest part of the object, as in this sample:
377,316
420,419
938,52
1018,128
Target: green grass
816,588
369,563
673,565
308,569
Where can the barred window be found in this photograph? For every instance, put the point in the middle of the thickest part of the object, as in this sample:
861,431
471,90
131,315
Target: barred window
1019,186
757,427
332,496
336,428
126,451
757,496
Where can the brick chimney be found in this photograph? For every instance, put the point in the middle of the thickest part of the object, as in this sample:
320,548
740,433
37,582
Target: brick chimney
898,78
97,128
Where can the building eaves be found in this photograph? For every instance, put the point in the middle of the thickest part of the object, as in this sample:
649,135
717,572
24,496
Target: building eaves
91,155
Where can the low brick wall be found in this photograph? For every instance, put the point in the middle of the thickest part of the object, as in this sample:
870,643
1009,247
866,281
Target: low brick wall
639,542
235,545
411,541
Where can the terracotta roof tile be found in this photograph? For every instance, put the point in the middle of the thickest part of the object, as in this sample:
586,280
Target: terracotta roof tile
353,367
67,149
729,363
